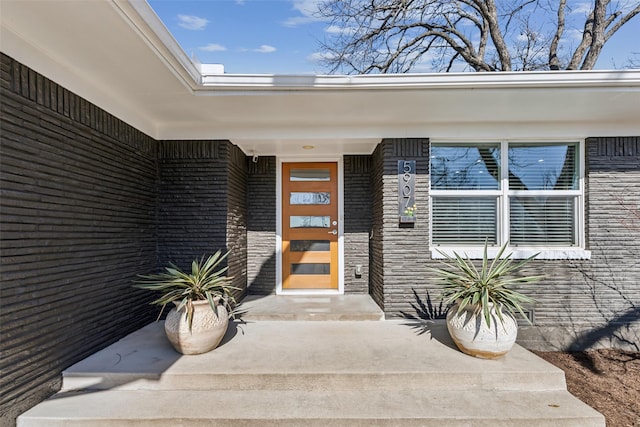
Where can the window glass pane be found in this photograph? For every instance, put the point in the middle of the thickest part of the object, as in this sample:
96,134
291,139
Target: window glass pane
543,167
309,245
309,221
309,175
310,268
299,198
542,221
465,167
459,220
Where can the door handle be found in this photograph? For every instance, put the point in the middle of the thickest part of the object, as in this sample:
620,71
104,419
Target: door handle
334,232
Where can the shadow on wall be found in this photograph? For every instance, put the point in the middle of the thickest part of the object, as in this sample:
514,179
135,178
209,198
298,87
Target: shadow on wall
264,281
618,331
609,278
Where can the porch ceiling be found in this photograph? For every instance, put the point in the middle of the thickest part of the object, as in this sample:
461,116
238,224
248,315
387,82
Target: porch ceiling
118,55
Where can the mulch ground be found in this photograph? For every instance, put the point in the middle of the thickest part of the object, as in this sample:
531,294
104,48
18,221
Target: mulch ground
607,380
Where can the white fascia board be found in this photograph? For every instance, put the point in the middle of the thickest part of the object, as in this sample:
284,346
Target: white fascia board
628,79
141,17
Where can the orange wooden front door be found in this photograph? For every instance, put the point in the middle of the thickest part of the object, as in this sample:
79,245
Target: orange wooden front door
309,226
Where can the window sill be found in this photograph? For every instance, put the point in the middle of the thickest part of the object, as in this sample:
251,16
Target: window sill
518,252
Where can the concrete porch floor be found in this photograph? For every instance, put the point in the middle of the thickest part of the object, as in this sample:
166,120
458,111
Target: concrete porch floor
304,373
310,307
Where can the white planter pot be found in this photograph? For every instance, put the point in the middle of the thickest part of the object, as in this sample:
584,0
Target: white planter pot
472,335
207,330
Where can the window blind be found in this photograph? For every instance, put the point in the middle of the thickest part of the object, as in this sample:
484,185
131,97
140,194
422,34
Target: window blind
548,221
460,220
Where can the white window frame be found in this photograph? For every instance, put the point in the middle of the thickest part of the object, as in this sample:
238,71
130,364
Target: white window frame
503,195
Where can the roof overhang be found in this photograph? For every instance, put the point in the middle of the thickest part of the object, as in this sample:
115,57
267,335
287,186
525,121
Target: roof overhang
118,55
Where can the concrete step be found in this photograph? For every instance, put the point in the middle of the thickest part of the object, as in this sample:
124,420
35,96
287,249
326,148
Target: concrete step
309,356
288,373
109,408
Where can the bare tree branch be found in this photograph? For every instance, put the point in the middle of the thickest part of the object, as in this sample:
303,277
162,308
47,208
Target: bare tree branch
635,11
554,61
597,34
381,36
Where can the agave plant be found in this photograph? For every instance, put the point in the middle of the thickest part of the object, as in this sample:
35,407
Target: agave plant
206,282
463,283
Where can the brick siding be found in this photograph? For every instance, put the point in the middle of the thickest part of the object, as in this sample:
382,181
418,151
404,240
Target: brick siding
357,222
77,217
261,225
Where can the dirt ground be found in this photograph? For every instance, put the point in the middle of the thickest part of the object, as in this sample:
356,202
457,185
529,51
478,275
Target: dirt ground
607,380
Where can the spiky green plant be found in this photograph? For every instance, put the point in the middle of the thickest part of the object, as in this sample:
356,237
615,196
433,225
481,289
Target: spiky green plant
205,283
465,285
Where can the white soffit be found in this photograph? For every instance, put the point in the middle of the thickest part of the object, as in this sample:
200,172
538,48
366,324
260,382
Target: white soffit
118,55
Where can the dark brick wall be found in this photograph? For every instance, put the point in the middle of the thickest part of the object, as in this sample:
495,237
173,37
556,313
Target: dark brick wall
192,203
202,204
610,281
586,295
237,216
376,247
77,220
399,251
357,222
261,225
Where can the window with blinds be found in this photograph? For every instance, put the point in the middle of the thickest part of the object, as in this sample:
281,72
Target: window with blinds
526,193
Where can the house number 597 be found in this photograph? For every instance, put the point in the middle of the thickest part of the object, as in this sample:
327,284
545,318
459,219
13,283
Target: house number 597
406,191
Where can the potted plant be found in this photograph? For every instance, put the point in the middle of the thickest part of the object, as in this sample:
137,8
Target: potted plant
481,318
202,301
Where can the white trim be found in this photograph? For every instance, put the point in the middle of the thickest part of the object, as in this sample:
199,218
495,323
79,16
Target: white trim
517,251
340,166
516,79
503,195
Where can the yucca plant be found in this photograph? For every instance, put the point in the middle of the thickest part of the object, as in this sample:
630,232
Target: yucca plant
206,282
463,283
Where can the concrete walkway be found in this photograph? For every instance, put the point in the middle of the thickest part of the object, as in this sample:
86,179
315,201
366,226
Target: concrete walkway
297,373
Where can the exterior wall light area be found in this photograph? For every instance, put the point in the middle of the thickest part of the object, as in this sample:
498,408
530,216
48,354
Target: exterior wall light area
308,147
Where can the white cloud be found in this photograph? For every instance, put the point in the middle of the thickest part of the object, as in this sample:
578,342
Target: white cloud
308,10
213,47
573,34
192,22
307,7
320,56
334,29
265,48
583,8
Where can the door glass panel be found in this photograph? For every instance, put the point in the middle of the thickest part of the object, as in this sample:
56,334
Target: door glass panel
311,198
309,175
310,268
309,221
309,245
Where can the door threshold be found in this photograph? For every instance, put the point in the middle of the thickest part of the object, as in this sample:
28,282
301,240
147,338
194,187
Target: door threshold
309,292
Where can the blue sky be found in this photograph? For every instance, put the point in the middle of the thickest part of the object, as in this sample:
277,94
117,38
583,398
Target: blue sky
282,36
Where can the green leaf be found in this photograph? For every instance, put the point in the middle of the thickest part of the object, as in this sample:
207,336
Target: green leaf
206,281
463,283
